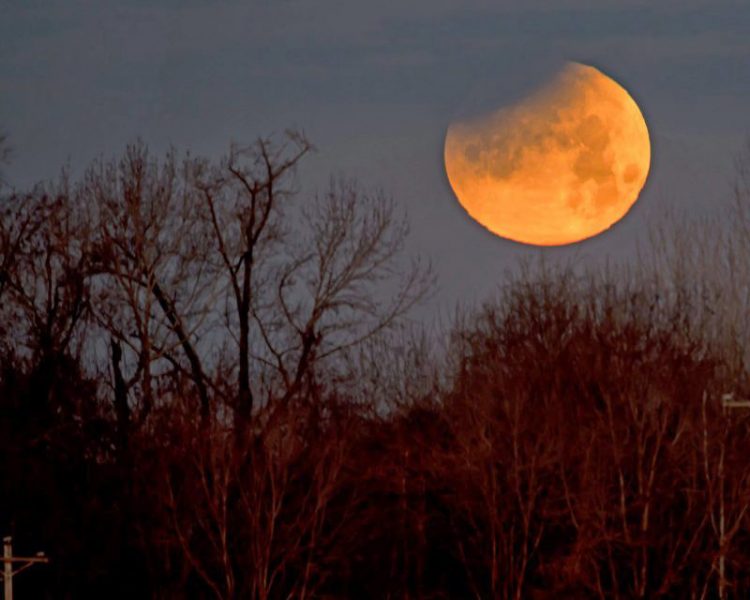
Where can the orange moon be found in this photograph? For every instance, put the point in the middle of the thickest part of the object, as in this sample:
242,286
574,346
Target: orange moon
562,165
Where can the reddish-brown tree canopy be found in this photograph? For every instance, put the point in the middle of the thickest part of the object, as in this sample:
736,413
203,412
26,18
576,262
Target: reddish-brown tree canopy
204,393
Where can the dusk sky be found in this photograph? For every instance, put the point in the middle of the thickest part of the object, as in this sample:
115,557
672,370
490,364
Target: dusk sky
375,86
229,370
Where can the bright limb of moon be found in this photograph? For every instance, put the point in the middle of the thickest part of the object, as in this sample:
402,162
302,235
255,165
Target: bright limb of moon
561,166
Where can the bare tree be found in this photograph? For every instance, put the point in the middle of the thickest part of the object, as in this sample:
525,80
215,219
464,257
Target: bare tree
304,287
155,293
244,200
43,268
189,245
342,284
252,520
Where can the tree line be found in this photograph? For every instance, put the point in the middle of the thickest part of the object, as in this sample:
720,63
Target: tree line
210,388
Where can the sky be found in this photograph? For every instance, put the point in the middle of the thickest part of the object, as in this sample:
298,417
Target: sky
375,85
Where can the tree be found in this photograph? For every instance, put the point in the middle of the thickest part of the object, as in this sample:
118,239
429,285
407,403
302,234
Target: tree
152,293
304,285
211,261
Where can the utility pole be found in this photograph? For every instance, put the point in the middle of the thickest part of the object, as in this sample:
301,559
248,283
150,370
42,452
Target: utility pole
9,559
7,569
728,401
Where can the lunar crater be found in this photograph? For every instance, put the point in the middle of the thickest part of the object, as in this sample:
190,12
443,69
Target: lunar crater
561,166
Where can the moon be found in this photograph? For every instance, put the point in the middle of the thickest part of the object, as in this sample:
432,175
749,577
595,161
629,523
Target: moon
561,166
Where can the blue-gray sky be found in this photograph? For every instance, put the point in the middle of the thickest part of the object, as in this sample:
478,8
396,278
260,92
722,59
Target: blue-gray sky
374,85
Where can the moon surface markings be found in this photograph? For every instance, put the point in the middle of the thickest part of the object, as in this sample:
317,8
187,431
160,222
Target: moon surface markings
561,166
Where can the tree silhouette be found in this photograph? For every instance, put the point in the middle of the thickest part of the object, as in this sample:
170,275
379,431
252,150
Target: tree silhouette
209,388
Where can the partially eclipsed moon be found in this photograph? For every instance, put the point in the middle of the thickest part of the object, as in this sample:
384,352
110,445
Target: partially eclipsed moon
561,166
